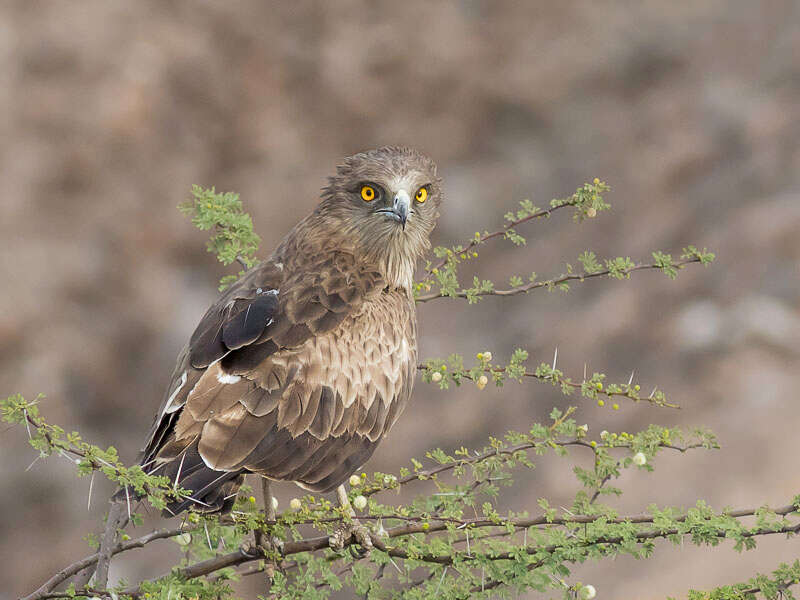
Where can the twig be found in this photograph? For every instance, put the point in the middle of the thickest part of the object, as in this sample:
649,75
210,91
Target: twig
427,473
550,283
116,519
477,241
91,560
571,384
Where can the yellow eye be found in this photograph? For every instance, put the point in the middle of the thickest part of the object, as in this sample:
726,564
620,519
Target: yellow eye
367,193
422,195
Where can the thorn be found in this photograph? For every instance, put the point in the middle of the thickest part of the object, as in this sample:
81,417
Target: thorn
91,485
33,463
394,564
631,379
128,500
584,371
653,392
441,580
208,537
555,358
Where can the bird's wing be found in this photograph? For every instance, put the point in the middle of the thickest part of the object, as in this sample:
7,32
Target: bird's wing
260,379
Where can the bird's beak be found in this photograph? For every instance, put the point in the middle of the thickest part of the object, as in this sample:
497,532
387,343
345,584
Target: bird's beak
400,208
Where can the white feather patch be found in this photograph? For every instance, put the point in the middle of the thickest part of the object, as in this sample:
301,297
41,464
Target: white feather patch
227,378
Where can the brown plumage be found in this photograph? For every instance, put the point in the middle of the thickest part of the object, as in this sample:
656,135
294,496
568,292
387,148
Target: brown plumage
302,366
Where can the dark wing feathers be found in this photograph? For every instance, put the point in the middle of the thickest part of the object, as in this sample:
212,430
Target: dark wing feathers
239,317
249,322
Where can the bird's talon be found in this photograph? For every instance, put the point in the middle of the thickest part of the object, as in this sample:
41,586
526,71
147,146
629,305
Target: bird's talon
360,536
267,545
249,550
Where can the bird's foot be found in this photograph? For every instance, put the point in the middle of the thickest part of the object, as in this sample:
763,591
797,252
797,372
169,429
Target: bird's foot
270,547
356,532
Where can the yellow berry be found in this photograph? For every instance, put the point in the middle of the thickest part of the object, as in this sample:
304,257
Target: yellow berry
599,386
252,499
593,444
601,403
615,406
596,181
479,356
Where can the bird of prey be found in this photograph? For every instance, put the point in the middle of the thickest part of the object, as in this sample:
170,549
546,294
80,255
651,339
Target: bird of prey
303,365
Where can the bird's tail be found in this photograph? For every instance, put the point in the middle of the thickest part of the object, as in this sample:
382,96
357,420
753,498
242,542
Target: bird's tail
212,491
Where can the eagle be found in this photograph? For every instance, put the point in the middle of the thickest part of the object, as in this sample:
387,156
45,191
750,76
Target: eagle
300,368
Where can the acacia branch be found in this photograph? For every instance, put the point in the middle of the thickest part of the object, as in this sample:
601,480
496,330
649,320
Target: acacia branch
575,385
551,283
247,554
508,450
90,560
639,537
478,240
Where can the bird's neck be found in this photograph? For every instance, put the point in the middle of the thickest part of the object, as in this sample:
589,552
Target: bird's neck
394,255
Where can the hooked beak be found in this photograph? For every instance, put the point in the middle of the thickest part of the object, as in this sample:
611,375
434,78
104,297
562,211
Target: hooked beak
400,207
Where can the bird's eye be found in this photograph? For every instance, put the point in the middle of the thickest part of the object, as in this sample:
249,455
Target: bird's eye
367,193
421,195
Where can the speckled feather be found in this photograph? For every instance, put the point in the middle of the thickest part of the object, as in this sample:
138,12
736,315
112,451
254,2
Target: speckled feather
302,367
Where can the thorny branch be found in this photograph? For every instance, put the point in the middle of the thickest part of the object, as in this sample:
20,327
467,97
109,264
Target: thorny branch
575,385
247,554
478,240
551,283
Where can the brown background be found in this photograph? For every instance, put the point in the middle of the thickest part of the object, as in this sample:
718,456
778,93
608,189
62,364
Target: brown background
110,110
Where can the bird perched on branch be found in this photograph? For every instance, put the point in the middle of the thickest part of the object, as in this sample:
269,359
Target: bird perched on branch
302,366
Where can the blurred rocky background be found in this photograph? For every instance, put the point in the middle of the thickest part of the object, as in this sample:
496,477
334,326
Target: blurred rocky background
111,110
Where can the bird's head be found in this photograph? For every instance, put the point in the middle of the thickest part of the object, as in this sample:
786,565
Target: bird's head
386,202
